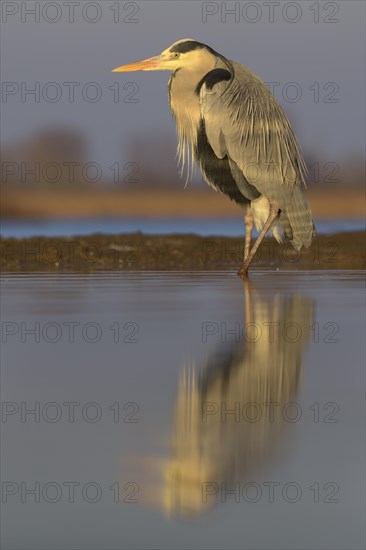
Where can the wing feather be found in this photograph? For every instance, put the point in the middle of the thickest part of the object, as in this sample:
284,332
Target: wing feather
244,123
243,120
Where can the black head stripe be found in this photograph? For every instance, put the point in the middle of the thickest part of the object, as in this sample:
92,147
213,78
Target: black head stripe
187,46
212,78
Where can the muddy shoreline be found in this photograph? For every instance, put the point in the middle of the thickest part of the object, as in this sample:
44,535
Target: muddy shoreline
86,202
175,252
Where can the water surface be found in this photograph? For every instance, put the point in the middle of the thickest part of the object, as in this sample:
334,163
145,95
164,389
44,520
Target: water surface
225,227
183,410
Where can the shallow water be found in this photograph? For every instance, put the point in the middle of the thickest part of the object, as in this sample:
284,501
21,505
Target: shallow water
226,227
183,410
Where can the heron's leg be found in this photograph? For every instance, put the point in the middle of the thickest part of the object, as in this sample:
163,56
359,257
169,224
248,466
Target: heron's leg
248,218
273,213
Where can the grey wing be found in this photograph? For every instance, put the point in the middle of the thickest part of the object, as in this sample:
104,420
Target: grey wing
243,121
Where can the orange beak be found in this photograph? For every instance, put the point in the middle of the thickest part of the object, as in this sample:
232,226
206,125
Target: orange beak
150,64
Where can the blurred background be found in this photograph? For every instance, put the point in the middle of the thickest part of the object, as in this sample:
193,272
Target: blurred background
86,150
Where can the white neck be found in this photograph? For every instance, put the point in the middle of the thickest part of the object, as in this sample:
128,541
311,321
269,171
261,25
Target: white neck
185,106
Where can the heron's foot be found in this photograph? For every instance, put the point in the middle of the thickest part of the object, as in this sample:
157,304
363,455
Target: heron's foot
243,272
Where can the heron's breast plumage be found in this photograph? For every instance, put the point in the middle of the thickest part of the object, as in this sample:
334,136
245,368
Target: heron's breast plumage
185,107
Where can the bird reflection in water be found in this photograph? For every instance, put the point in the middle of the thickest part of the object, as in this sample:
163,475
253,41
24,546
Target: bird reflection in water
229,416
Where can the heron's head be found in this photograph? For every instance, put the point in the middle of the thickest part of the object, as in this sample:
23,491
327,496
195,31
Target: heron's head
186,53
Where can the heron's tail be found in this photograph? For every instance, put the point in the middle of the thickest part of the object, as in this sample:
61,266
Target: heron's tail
296,220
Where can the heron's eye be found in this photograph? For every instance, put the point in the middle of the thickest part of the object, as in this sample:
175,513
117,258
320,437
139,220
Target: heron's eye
176,55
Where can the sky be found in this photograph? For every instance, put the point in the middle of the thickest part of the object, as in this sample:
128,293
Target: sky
312,51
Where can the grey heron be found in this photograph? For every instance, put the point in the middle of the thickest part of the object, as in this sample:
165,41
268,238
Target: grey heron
228,121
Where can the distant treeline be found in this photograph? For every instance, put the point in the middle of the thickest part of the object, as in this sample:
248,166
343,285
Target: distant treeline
62,157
